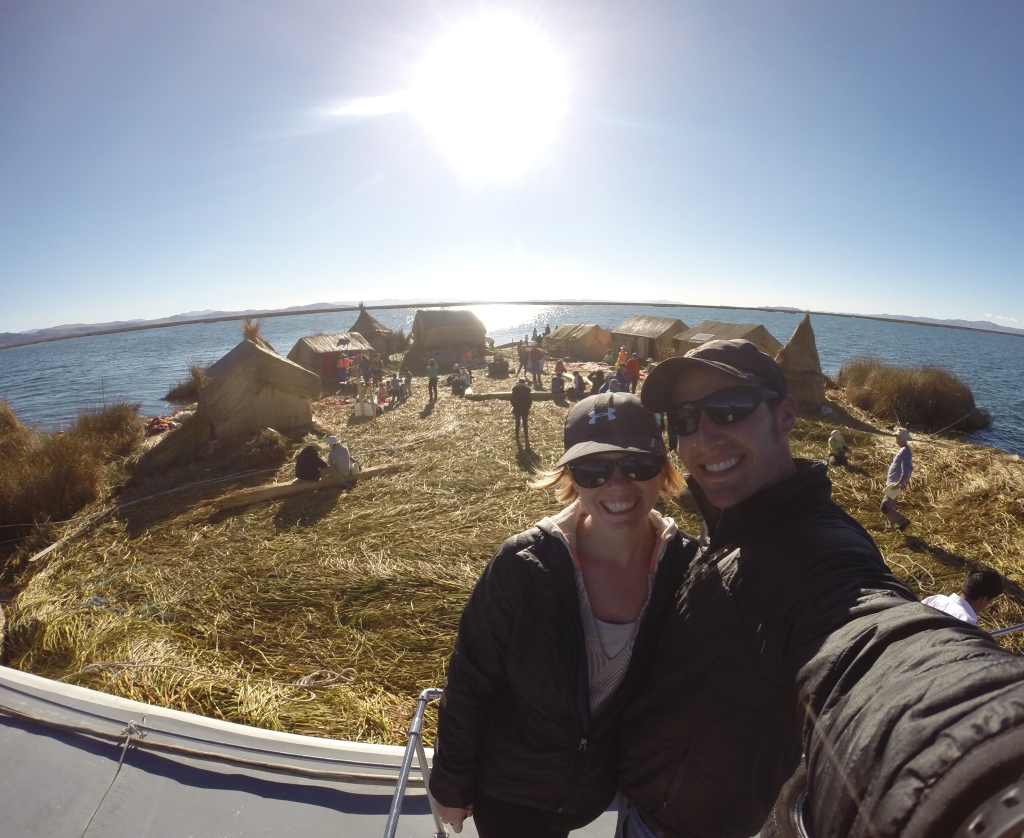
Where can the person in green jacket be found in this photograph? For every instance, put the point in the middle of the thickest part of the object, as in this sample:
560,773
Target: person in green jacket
837,449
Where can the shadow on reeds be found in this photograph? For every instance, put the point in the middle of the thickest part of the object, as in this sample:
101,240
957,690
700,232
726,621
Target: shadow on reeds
307,510
428,408
863,472
149,504
842,417
529,460
944,557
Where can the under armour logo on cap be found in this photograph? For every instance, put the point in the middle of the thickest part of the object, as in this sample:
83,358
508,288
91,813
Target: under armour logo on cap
606,412
627,426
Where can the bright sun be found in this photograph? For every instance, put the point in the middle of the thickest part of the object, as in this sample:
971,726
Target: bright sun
491,92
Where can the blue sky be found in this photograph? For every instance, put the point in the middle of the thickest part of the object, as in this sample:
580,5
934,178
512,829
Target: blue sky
159,158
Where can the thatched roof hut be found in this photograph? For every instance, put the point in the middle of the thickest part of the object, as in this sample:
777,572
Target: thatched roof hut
320,353
252,388
713,330
647,336
578,342
379,336
446,335
800,362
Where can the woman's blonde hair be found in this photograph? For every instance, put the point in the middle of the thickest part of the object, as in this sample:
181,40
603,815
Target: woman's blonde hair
560,480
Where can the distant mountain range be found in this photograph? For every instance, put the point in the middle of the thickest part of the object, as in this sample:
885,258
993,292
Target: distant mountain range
75,330
72,330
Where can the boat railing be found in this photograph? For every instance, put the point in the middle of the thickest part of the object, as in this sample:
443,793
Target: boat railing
415,747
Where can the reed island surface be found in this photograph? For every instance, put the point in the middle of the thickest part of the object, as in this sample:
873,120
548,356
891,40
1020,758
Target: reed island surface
327,612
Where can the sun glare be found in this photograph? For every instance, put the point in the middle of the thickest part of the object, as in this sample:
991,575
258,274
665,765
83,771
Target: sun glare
491,92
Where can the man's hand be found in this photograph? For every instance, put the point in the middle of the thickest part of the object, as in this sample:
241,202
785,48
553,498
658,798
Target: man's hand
454,815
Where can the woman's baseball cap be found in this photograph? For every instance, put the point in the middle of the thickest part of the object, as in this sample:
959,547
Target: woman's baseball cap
739,359
610,422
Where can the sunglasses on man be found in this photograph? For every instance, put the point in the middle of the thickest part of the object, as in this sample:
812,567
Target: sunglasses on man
723,407
596,471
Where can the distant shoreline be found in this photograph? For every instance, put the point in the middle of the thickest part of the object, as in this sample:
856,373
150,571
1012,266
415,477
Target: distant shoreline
161,324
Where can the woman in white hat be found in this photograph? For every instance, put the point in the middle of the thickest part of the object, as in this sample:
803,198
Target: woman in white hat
340,461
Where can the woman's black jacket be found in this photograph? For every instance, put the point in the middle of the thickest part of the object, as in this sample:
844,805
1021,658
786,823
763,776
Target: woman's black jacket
515,718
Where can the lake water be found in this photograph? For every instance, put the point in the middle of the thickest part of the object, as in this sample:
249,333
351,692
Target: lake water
47,384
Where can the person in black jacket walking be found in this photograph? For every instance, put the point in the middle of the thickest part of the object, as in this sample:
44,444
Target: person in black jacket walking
791,639
522,400
553,631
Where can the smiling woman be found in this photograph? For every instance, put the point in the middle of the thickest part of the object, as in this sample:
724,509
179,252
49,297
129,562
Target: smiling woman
491,92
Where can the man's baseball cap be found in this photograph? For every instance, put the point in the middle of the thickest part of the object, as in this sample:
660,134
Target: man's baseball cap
610,422
739,359
903,433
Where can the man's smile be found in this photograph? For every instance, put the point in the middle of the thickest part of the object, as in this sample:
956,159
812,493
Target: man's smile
722,466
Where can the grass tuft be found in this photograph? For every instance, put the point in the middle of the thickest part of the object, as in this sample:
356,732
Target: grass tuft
186,390
924,398
252,329
47,478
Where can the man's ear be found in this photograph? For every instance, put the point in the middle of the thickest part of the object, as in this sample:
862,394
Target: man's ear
786,414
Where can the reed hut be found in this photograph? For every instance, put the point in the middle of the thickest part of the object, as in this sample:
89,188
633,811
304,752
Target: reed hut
320,353
800,362
713,330
647,336
448,335
252,388
578,342
379,336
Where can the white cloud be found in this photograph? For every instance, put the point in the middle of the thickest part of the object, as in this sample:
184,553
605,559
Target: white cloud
1000,318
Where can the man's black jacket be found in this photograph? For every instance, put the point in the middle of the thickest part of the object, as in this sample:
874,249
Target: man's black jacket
790,633
521,398
515,718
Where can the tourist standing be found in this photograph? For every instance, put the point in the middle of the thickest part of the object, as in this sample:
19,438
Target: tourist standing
537,366
523,353
897,481
632,367
432,374
522,401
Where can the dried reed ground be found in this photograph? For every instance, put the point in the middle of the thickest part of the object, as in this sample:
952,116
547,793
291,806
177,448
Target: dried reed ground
223,614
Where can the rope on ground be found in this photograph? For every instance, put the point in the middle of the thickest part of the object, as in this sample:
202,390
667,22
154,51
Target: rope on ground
135,729
961,419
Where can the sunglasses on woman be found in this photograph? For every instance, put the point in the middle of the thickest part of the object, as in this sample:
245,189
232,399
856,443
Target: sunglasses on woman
594,472
723,407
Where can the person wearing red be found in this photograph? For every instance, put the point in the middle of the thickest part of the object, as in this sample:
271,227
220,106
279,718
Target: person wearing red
633,371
